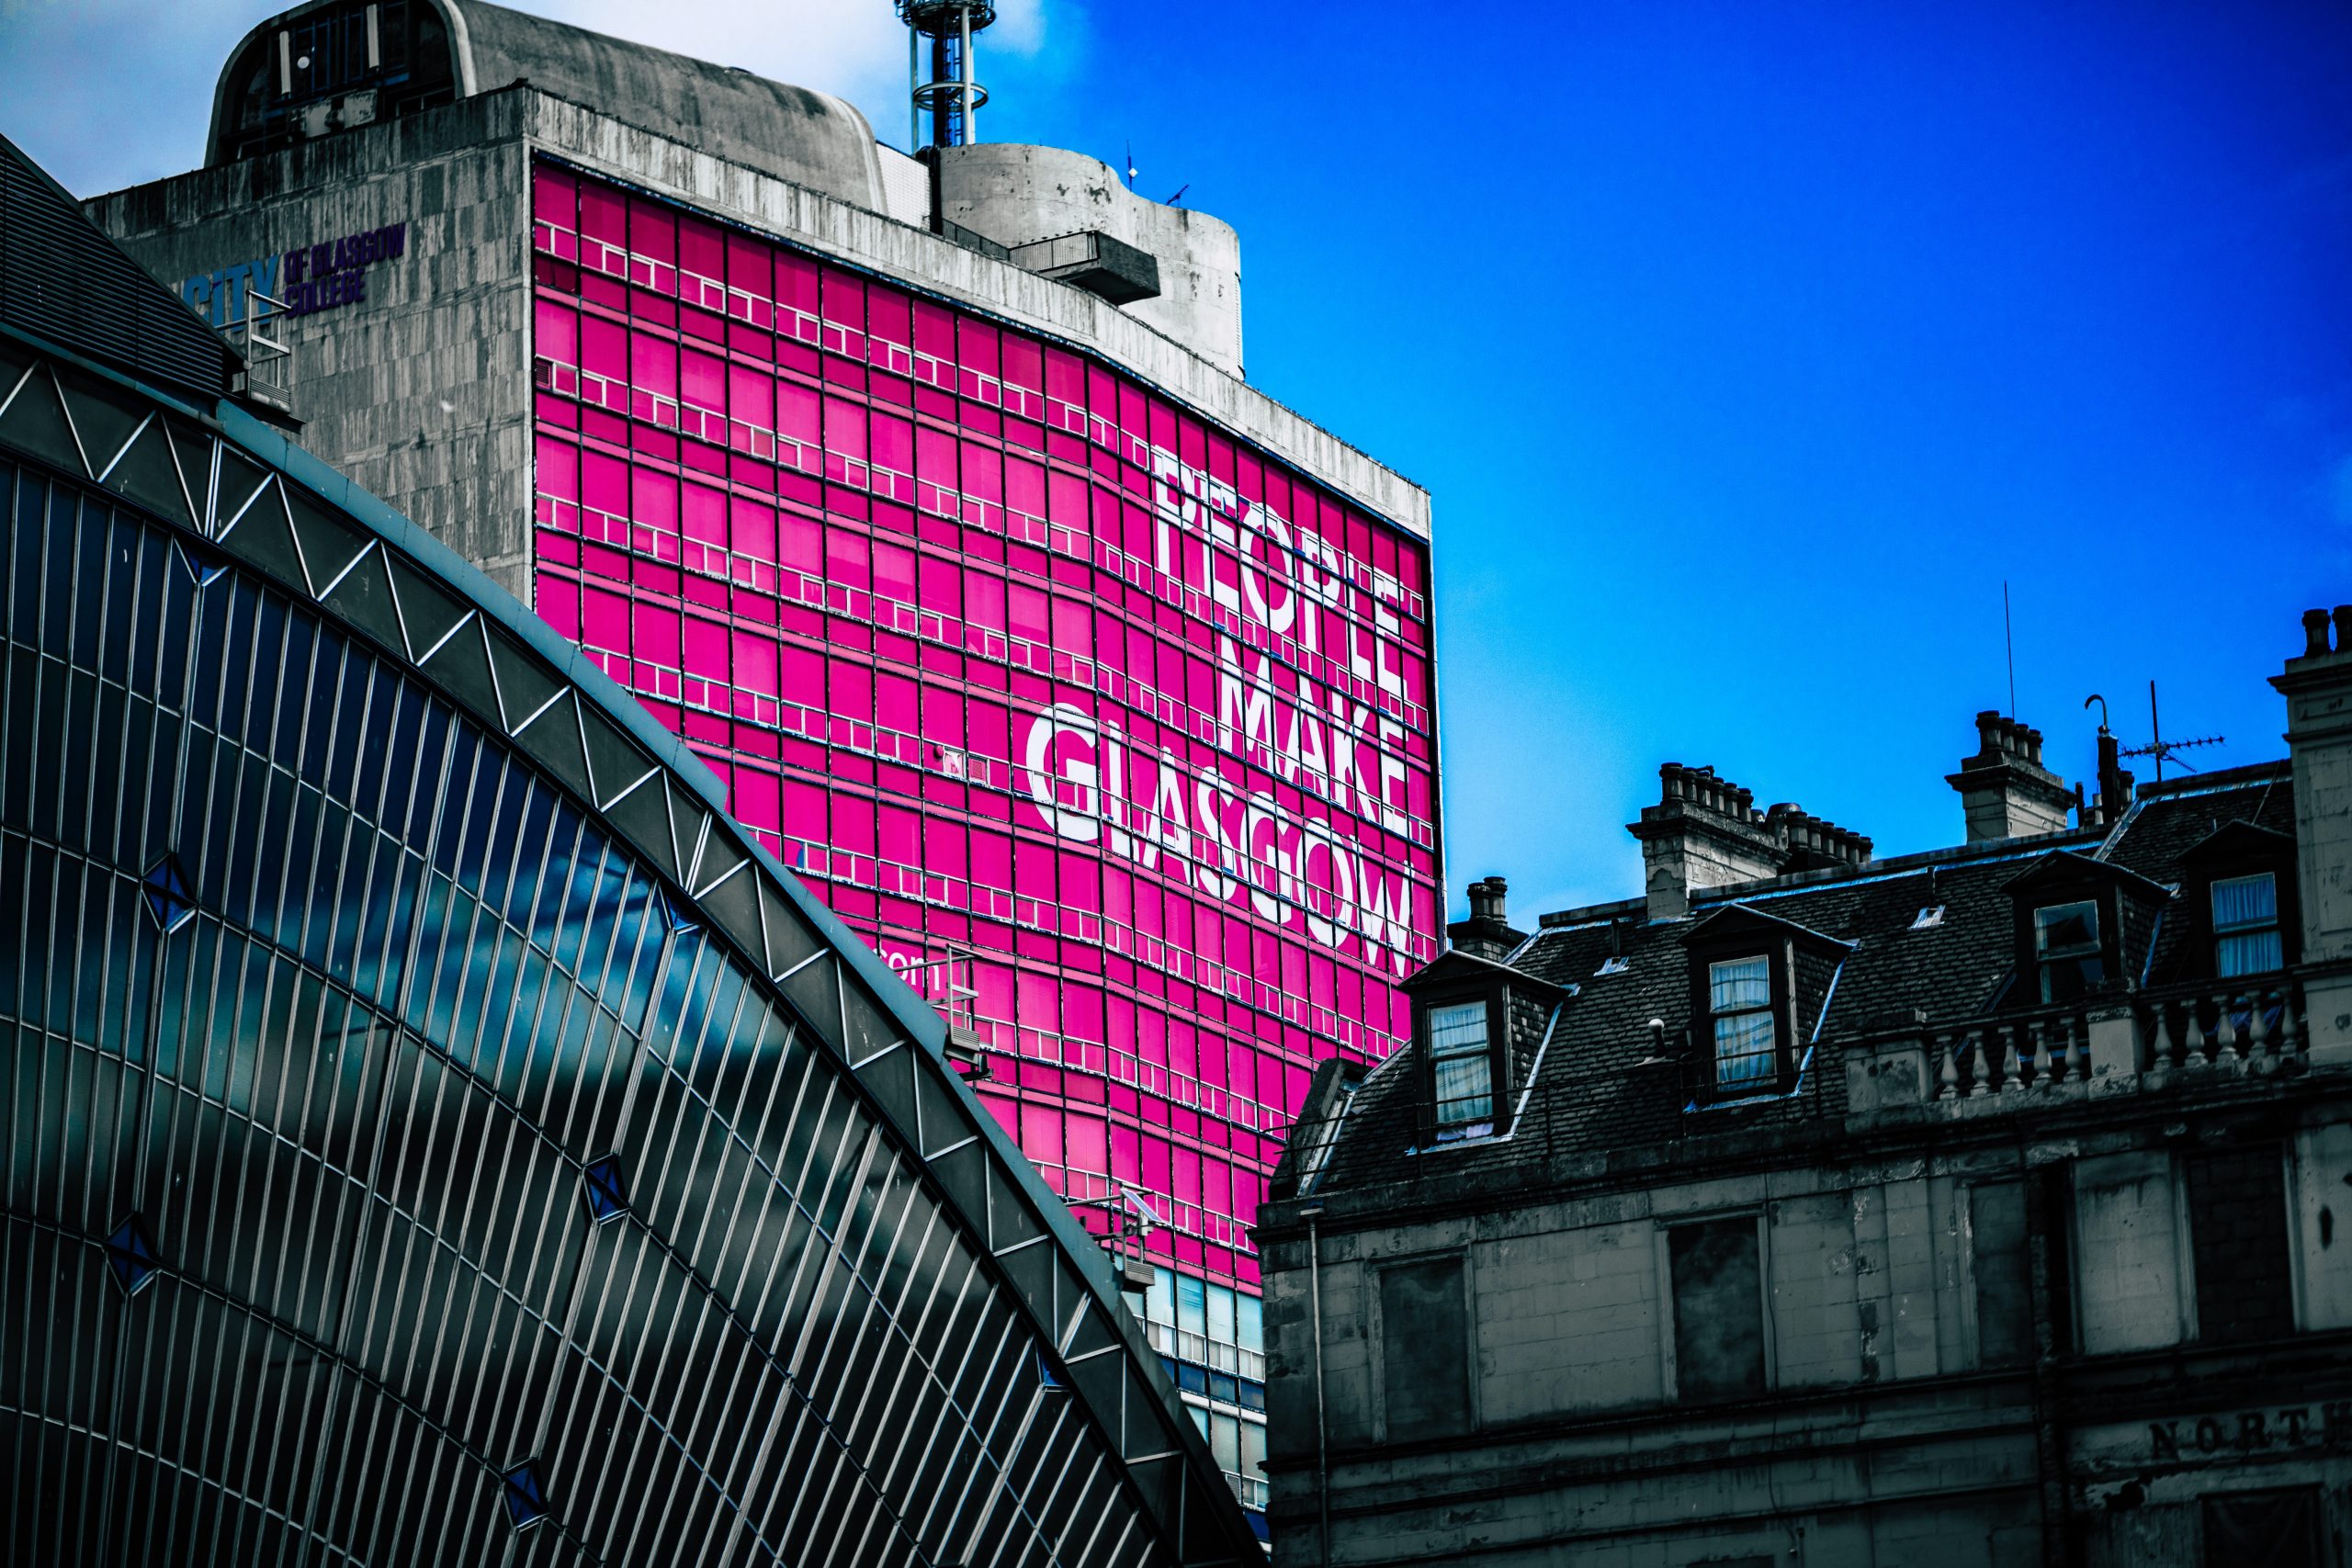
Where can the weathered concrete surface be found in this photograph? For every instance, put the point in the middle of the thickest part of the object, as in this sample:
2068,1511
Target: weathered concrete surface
216,218
421,391
1015,193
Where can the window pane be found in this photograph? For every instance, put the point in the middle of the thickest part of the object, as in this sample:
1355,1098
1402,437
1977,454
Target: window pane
1463,1090
2245,901
2065,928
1741,983
2248,952
2237,1228
1220,1305
1191,1304
1424,1350
1457,1028
2004,1302
1744,1048
1718,1310
2071,979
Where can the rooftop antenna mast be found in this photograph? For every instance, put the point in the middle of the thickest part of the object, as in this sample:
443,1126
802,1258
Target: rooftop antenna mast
2009,646
2165,750
952,95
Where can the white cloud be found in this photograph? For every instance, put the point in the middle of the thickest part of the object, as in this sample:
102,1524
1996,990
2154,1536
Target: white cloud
855,49
110,92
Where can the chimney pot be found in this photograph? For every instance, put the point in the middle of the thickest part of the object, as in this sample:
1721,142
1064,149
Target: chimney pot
2005,789
2315,633
2344,628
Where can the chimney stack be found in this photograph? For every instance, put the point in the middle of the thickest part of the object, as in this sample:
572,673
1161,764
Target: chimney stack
2318,689
1703,833
2004,789
1485,932
1814,843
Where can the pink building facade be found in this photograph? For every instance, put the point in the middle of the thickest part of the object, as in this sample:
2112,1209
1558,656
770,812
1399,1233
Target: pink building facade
1113,732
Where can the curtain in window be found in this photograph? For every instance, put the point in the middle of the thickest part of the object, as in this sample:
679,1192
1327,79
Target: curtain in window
1464,1078
2245,901
2248,952
1739,992
1464,1091
1744,1048
1742,983
1457,1028
2246,925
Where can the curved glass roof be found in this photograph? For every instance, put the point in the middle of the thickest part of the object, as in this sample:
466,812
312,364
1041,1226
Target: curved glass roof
443,1120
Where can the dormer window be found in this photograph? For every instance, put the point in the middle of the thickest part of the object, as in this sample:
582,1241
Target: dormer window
1461,1067
2240,894
2066,950
1739,1004
1757,985
2245,926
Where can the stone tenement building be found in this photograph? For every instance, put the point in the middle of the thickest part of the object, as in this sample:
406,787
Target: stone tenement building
1974,1207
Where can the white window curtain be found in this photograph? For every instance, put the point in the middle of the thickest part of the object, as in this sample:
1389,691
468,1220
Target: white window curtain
2246,925
1739,993
1462,1074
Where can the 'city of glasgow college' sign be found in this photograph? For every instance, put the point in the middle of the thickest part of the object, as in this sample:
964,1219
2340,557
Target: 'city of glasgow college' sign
308,278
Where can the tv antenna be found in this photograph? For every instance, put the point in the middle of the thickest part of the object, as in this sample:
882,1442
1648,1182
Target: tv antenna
1131,165
2162,750
1180,194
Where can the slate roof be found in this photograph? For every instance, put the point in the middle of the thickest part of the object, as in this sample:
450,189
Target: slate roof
1604,1084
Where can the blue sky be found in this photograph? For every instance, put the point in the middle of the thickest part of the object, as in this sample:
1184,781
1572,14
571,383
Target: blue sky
1747,348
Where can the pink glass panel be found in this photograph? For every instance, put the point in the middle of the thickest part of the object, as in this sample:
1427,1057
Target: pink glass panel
1113,702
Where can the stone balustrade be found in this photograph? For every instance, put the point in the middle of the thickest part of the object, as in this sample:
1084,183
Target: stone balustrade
2253,1024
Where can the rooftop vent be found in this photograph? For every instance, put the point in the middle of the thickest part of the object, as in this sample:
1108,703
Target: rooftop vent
1108,268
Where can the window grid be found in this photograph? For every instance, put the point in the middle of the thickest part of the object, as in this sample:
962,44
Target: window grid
360,1054
850,545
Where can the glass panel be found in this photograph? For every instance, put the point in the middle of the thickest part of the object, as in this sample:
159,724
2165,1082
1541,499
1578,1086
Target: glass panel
1744,1048
1465,1089
2245,901
1739,982
1191,1304
1159,1303
1221,1313
2065,928
1455,1030
2248,952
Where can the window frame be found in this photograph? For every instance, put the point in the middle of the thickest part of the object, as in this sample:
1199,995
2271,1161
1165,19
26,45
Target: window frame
1670,1379
1493,993
1766,1010
2100,949
2218,935
1779,953
1377,1332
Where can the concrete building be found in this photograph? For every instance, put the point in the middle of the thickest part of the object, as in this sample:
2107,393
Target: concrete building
1967,1209
435,1131
923,499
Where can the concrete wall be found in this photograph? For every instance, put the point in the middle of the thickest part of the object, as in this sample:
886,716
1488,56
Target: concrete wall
216,218
419,392
1015,193
2132,1291
1888,1436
